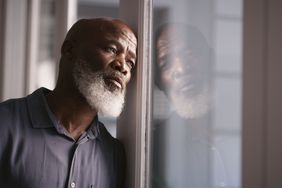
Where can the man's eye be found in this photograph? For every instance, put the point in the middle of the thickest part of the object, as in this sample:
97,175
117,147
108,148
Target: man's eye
111,50
130,64
164,64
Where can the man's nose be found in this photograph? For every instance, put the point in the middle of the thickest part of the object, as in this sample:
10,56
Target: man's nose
179,68
119,64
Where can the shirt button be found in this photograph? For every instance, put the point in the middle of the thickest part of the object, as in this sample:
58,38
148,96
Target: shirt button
72,185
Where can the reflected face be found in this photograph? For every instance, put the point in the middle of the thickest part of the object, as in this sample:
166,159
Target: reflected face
103,69
183,73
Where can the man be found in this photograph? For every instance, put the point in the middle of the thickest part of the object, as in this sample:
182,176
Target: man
53,138
182,150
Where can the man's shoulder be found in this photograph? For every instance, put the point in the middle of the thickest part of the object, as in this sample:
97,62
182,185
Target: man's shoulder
108,138
10,107
10,117
21,106
105,133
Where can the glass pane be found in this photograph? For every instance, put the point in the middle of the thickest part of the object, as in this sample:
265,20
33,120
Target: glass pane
97,8
100,8
46,74
196,138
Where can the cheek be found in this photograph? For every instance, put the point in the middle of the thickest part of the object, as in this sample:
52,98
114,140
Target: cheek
127,78
100,61
167,83
166,79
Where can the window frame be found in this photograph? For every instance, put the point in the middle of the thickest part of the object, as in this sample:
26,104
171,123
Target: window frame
262,96
133,127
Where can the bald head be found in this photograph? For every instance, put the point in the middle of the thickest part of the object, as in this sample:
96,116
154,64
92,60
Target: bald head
87,29
177,36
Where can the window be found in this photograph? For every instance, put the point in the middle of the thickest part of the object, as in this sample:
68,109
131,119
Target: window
47,60
162,149
196,126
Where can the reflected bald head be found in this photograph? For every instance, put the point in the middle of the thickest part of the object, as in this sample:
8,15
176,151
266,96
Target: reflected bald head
177,35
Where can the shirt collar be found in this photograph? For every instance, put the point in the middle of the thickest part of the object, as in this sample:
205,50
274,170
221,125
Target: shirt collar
95,130
42,117
38,109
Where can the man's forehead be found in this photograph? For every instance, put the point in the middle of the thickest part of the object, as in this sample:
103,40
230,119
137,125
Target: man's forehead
122,37
117,28
171,36
98,27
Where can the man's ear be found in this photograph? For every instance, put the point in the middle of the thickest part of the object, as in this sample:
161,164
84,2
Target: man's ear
68,49
159,84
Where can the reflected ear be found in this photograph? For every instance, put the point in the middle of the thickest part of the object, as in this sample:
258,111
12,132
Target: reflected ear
68,49
159,84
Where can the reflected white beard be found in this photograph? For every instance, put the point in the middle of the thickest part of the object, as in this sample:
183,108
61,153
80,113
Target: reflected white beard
92,86
191,107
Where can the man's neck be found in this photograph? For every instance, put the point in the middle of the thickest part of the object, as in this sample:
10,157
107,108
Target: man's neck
71,110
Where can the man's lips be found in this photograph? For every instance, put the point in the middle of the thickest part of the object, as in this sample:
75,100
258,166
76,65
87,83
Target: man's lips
183,88
188,87
116,81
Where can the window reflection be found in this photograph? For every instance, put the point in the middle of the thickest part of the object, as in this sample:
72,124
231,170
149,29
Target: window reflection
184,74
196,126
183,69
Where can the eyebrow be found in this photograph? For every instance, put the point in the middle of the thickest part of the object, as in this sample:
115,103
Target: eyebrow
116,42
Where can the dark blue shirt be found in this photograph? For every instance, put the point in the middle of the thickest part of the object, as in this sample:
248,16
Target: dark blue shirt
36,152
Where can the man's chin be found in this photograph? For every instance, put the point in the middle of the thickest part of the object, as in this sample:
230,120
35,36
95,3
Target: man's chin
190,107
113,87
105,98
106,102
188,92
115,90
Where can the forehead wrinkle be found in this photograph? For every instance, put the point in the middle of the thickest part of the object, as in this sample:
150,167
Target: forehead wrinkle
132,55
89,30
117,27
131,45
120,43
131,50
124,35
129,39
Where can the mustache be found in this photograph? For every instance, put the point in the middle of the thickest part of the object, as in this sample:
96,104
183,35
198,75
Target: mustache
115,75
108,73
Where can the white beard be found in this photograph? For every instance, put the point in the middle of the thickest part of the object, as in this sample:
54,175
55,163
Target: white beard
191,107
93,87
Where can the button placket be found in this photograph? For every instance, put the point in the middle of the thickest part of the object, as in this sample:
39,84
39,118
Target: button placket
71,182
72,185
